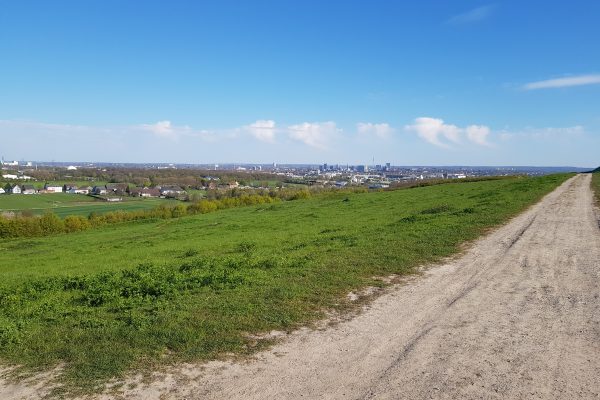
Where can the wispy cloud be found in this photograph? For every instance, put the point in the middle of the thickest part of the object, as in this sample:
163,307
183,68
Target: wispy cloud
441,134
471,16
545,134
316,134
382,130
578,80
167,130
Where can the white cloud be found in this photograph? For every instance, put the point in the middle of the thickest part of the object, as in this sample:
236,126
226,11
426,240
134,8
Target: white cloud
165,129
434,130
579,80
316,134
474,15
437,132
553,134
263,130
478,134
382,131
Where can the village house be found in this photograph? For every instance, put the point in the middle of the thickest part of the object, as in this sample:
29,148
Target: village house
117,188
150,192
73,189
28,189
99,190
53,188
2,191
144,192
171,191
16,189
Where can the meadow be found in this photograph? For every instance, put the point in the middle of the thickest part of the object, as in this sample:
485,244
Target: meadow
63,204
137,295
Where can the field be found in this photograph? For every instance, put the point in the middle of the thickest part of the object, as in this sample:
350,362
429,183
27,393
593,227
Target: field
138,295
63,204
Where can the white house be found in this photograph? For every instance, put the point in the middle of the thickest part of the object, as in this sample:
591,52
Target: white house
10,176
28,189
15,189
78,190
53,188
171,190
2,191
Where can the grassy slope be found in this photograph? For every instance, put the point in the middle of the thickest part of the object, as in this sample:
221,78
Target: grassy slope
63,204
270,267
596,184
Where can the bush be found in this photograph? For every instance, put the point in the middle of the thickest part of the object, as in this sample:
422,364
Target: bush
74,223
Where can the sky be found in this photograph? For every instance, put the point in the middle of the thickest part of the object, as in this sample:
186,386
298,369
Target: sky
406,82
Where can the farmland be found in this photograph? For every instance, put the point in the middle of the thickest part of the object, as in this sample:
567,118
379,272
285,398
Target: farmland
63,204
140,294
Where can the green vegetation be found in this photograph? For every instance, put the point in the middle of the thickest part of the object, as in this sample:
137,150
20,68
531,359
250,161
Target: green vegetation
146,293
42,201
50,223
63,204
596,184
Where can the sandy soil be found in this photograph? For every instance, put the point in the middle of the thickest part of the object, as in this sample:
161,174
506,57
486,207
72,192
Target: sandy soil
516,316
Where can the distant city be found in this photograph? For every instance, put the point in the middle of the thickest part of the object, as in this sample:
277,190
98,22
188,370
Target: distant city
377,175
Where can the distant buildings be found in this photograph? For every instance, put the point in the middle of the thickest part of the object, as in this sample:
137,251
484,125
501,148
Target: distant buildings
14,177
28,189
171,191
10,163
16,189
50,188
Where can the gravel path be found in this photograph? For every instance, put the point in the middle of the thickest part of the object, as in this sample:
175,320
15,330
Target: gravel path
517,316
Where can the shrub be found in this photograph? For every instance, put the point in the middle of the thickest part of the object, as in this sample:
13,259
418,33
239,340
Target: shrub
74,223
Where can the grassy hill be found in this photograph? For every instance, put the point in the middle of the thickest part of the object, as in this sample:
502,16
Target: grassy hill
139,294
596,184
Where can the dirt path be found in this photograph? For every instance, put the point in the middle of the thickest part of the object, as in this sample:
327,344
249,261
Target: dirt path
517,316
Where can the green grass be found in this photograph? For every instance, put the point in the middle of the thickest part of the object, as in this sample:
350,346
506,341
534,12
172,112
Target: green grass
41,201
596,185
63,204
139,295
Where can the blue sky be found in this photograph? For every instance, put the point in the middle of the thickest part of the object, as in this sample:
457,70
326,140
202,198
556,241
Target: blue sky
411,83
